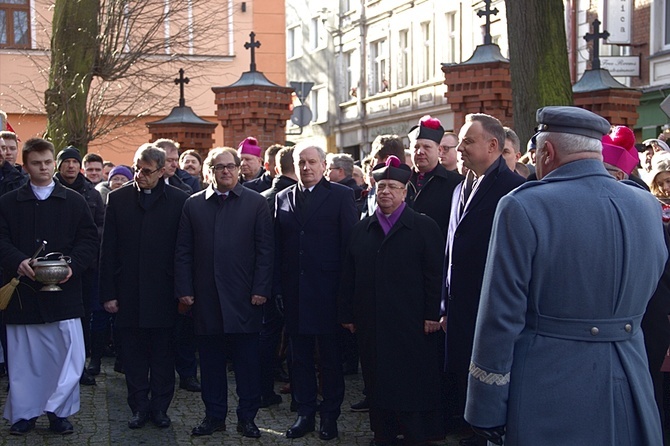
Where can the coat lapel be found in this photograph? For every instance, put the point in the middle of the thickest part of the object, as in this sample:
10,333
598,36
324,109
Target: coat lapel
319,195
486,185
293,208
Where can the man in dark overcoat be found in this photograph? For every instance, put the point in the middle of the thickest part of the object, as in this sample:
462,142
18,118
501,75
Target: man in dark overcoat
223,268
68,164
474,202
313,220
137,282
44,333
431,185
390,297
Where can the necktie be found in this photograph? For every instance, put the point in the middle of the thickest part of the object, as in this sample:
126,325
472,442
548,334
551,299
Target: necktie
468,185
222,198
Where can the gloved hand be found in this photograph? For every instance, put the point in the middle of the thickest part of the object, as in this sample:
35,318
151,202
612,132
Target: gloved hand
279,303
492,434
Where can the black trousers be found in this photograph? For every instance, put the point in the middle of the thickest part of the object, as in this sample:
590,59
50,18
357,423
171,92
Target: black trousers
148,360
270,338
303,374
186,363
243,350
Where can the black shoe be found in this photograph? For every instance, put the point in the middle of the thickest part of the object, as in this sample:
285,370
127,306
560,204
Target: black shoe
160,419
60,425
138,420
302,426
361,406
208,426
190,383
328,429
248,429
22,427
86,379
93,367
271,400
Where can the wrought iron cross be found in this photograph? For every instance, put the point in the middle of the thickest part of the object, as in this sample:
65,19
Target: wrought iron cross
488,12
595,37
181,80
252,45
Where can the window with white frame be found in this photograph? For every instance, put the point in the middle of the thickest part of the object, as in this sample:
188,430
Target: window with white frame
426,52
404,68
451,47
294,42
14,24
379,66
314,33
318,103
349,83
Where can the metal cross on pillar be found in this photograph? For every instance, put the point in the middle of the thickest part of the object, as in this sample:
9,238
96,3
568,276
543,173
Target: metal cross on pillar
595,37
488,12
253,44
181,80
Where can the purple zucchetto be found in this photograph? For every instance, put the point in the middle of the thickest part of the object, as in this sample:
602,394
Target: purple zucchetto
392,169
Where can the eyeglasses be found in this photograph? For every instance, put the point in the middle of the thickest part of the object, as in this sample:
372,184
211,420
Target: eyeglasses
229,167
145,172
389,187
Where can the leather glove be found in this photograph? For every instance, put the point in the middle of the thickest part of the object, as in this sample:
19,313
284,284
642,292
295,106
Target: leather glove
279,303
492,434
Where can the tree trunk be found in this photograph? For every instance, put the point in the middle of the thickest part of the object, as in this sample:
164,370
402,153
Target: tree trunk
74,48
538,59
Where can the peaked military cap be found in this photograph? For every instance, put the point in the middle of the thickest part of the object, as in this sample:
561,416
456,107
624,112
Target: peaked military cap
574,120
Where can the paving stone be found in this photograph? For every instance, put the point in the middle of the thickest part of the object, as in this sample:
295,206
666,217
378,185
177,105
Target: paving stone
104,414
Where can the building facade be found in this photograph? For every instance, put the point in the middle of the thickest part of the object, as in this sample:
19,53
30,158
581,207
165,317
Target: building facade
212,54
376,64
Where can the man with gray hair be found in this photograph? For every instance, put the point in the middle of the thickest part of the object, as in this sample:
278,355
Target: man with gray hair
137,282
312,223
340,169
558,354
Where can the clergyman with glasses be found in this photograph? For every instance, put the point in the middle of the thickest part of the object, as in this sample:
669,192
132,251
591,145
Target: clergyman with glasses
390,297
223,269
137,282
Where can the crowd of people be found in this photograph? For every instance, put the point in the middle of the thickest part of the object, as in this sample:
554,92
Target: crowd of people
512,298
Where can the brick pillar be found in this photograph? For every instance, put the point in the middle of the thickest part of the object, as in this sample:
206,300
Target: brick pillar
600,93
482,84
253,106
185,127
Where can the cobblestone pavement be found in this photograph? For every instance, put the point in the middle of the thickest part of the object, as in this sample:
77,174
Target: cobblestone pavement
104,414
